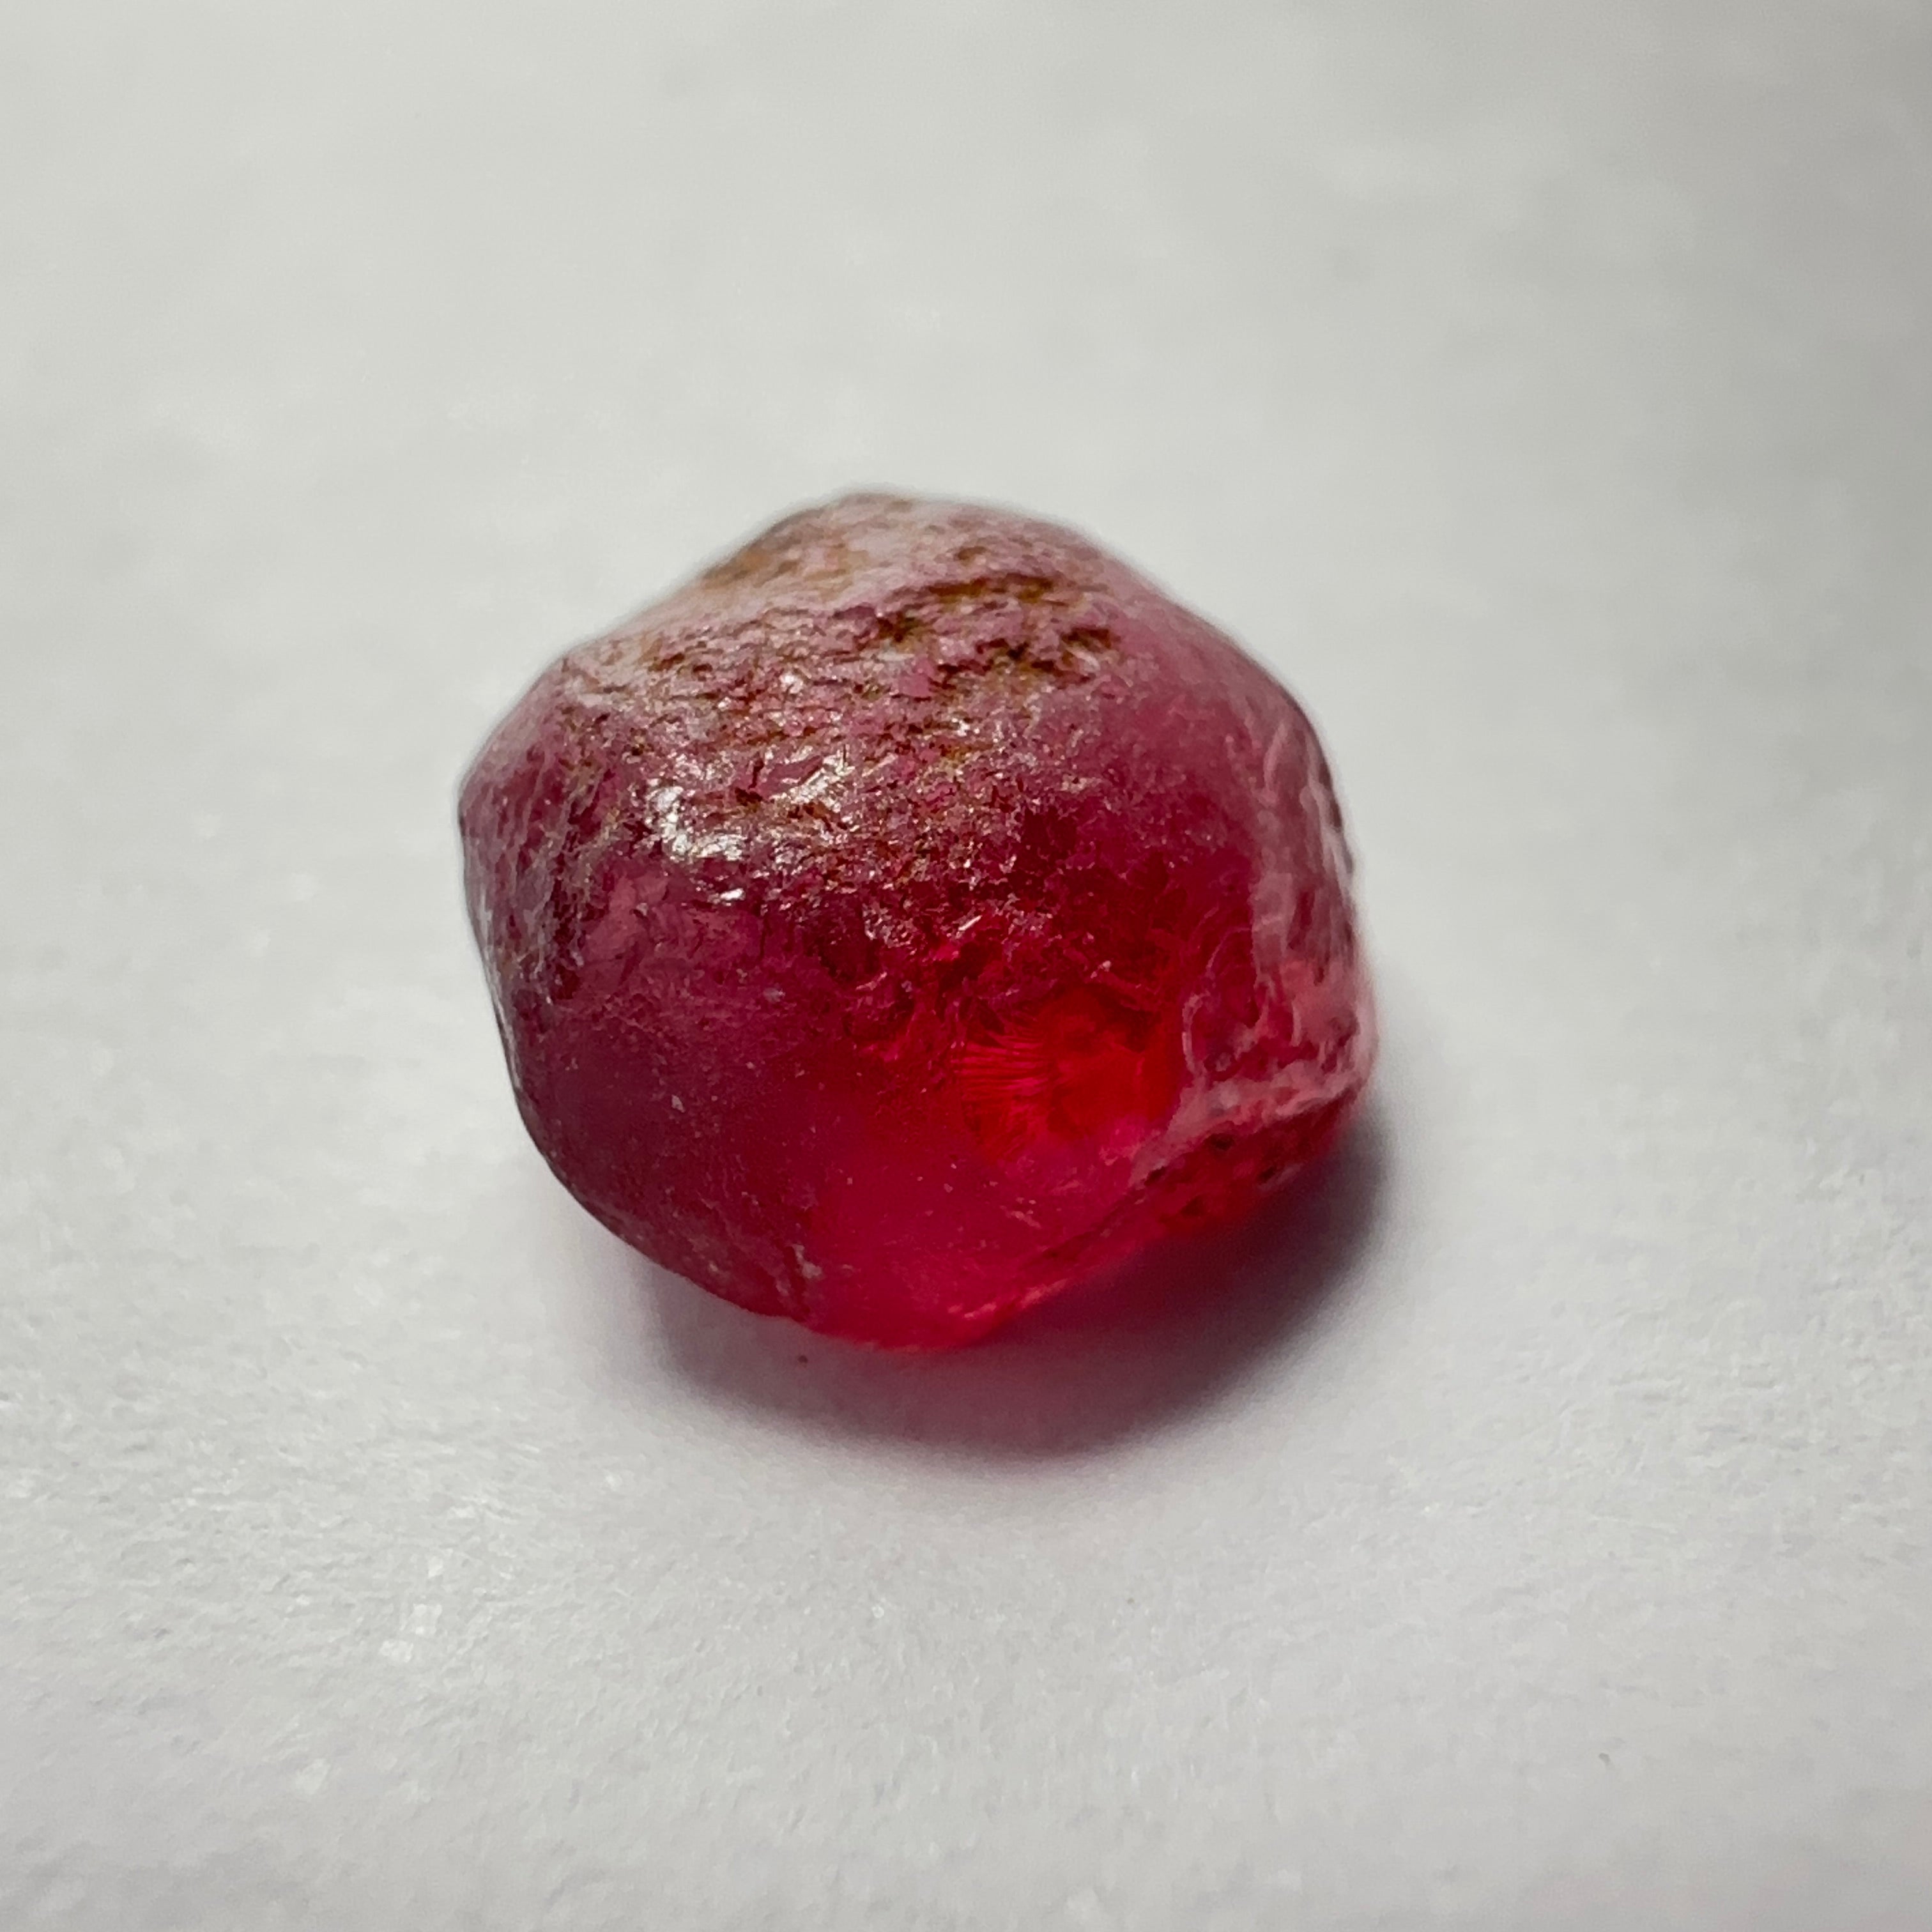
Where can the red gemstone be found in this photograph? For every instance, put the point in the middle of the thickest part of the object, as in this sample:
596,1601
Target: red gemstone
914,914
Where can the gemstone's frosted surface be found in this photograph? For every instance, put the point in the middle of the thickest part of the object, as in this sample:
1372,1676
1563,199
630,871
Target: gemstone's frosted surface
915,914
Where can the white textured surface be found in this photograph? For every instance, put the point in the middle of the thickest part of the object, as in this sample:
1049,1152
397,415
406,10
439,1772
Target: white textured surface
1545,387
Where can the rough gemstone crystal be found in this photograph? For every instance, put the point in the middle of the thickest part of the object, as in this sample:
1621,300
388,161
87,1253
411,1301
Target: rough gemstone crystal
914,914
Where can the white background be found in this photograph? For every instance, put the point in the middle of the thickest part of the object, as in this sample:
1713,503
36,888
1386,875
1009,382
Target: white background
1532,1529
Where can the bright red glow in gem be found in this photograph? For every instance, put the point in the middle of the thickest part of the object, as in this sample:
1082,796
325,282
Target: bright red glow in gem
915,914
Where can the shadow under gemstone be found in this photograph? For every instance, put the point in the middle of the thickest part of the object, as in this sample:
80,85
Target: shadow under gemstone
1172,1332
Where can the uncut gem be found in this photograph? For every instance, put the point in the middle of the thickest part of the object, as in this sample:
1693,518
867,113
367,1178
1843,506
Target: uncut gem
915,914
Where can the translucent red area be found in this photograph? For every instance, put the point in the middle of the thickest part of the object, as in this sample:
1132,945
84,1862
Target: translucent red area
914,914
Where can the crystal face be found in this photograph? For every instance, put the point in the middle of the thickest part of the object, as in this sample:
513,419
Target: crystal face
914,914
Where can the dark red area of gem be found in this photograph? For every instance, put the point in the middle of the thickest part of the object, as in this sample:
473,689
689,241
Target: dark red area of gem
913,915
